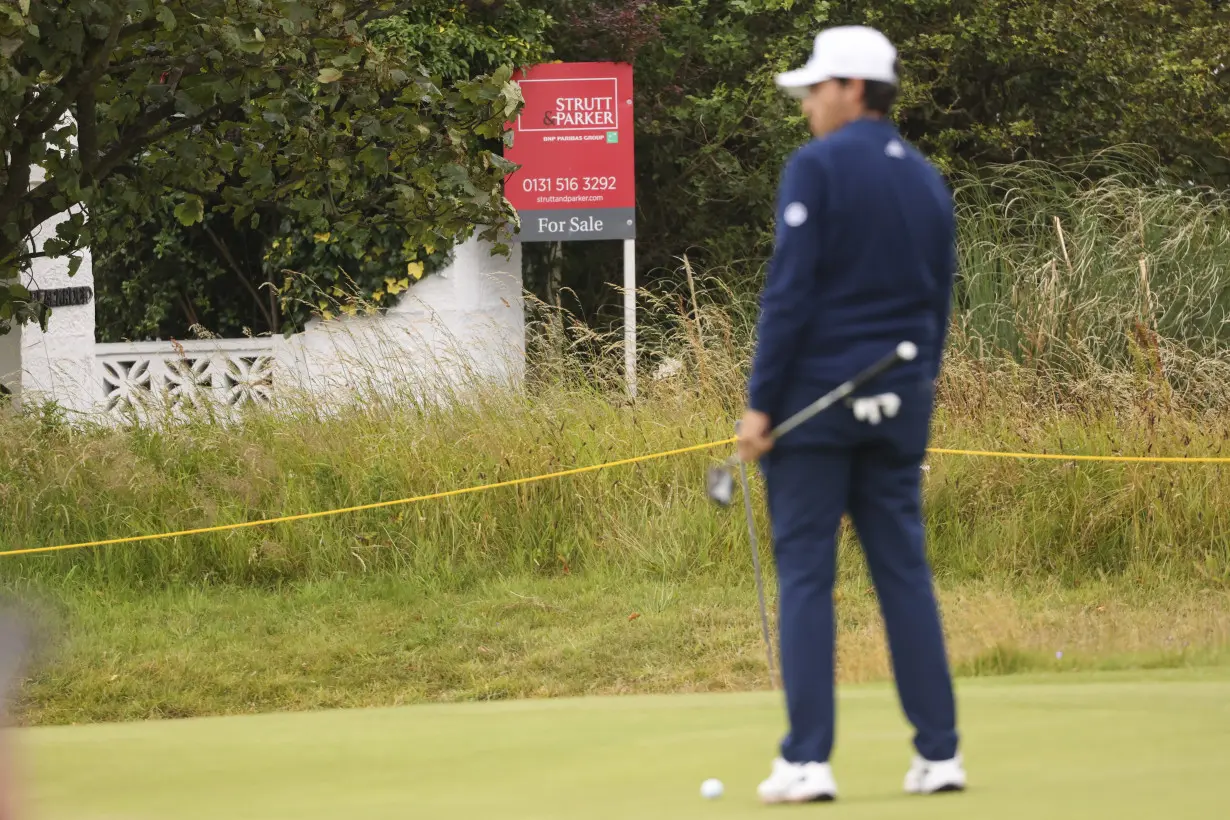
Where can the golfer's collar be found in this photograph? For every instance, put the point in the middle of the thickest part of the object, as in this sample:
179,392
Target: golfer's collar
870,122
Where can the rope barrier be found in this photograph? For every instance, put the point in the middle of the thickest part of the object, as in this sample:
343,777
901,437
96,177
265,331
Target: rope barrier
517,482
1064,457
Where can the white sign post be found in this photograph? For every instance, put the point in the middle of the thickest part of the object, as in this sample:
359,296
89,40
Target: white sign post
630,315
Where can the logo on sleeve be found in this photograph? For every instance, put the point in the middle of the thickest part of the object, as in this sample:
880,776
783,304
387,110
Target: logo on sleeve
795,214
895,150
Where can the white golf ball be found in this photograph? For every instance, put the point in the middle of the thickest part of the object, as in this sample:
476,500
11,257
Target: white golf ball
711,789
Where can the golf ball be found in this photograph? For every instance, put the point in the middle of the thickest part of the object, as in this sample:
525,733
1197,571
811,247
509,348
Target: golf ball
711,789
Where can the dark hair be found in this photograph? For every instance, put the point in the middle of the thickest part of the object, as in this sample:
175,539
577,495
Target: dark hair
877,96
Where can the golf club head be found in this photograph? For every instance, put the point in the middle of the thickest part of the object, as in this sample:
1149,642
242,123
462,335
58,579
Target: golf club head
720,486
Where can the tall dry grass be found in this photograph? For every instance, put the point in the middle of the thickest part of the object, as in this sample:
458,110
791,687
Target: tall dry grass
1099,276
1090,319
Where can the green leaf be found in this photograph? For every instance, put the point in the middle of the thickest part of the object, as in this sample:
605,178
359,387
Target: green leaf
329,75
276,117
55,246
190,211
298,12
166,16
375,158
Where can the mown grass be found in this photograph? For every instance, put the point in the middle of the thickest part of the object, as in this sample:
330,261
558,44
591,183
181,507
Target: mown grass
1129,745
1059,345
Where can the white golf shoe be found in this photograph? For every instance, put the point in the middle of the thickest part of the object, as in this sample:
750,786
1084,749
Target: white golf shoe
932,776
798,783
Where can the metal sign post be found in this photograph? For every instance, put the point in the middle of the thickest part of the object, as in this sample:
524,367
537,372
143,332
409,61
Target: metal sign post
577,181
630,315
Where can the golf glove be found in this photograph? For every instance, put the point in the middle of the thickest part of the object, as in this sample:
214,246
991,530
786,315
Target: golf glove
872,409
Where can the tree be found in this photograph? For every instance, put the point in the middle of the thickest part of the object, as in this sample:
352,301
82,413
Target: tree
127,102
230,278
986,81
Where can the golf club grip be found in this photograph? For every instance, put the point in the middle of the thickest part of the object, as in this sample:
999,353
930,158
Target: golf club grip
838,393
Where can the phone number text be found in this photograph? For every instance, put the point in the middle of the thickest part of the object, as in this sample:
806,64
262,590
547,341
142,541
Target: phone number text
543,185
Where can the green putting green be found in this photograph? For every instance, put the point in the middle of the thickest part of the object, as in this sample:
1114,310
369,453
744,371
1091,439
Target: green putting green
1076,746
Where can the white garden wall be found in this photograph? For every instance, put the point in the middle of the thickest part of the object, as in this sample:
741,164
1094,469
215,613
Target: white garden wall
459,329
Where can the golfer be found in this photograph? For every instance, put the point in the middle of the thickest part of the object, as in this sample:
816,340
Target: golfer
864,259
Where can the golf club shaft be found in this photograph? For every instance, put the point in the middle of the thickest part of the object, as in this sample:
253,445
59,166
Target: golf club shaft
837,394
754,543
751,536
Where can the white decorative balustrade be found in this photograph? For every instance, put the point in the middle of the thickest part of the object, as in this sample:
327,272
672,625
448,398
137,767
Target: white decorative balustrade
218,373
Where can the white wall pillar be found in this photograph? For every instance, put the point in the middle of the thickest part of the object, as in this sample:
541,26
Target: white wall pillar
458,329
476,309
58,364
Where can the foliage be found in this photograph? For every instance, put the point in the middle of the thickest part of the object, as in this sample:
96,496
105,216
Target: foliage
191,272
164,277
985,83
268,275
462,40
133,106
306,270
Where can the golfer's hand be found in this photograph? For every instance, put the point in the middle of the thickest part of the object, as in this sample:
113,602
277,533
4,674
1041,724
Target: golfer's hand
754,438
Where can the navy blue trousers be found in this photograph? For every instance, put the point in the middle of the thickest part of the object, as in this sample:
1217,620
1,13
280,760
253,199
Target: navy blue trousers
878,484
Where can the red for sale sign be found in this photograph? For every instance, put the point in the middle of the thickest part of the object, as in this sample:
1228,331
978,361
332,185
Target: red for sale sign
574,143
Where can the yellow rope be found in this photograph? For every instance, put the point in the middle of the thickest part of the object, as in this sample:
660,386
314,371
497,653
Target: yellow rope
378,505
285,519
1062,457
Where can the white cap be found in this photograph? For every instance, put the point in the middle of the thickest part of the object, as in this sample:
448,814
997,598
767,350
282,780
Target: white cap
848,52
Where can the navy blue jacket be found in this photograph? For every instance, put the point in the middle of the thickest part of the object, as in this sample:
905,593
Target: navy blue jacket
865,257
